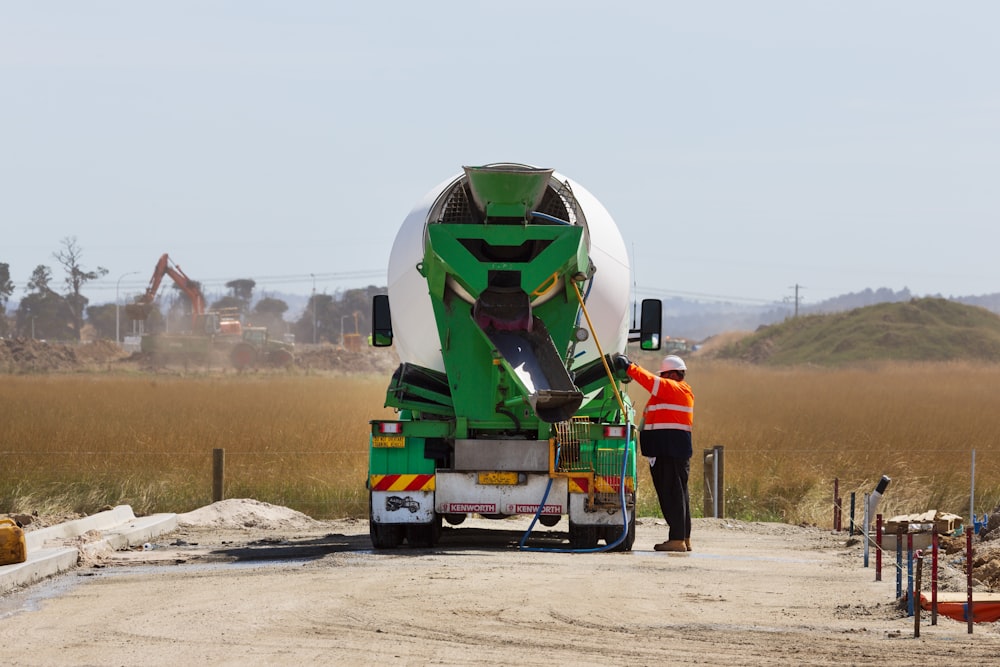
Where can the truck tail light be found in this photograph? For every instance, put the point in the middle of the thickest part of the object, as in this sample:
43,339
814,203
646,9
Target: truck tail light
614,431
390,427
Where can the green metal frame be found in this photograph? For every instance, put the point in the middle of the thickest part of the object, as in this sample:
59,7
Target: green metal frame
479,393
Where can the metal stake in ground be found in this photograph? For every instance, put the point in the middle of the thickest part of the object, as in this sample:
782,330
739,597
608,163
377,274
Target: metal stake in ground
899,561
916,610
968,568
909,574
878,547
934,576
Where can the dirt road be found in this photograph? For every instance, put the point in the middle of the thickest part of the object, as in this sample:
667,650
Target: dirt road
235,587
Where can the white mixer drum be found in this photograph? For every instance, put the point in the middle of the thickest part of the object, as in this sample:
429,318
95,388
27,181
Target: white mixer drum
415,330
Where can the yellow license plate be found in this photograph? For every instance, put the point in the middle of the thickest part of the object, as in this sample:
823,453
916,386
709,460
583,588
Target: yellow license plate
389,441
498,478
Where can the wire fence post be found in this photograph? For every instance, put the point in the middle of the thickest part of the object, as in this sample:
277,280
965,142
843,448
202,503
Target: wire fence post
714,470
836,504
218,474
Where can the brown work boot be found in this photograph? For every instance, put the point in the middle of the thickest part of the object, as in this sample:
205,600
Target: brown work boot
670,545
687,543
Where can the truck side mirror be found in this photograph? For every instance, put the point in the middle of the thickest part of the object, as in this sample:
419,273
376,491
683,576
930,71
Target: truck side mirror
381,321
650,325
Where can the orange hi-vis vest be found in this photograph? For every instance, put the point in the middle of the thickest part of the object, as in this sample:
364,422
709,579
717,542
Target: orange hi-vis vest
670,405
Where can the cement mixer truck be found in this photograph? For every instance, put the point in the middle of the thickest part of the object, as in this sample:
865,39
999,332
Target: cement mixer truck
508,291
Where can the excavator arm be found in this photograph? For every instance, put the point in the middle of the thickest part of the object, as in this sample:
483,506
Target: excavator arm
165,266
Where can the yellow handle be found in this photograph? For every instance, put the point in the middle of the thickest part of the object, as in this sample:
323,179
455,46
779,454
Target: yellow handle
548,284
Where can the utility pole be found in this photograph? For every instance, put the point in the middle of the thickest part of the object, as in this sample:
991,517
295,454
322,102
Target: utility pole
797,287
314,306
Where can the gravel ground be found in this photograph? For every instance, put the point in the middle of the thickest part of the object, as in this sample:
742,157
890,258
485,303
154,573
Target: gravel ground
248,583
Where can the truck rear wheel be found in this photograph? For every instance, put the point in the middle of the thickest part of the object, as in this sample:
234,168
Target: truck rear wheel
582,537
424,534
612,533
383,535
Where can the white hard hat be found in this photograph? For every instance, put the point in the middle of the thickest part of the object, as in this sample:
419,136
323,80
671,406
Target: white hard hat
672,362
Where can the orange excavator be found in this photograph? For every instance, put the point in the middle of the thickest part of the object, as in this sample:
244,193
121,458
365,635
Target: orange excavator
199,322
212,332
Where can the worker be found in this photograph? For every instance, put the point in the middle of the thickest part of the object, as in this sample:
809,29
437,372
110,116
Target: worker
665,438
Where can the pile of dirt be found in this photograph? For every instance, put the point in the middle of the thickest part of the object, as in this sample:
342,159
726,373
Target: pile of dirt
27,355
986,567
986,552
245,513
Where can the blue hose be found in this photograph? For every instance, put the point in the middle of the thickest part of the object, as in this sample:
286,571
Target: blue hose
621,498
550,218
625,453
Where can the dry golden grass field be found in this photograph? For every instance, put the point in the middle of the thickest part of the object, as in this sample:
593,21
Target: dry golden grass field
75,443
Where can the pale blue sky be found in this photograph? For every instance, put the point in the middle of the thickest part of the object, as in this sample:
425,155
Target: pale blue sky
742,147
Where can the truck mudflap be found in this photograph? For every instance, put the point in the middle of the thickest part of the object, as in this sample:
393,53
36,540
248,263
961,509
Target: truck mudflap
488,493
402,506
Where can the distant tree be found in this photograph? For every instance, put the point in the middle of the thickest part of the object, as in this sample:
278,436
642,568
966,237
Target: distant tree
41,280
318,312
271,306
6,289
242,290
104,318
331,313
76,277
354,310
6,285
270,313
43,313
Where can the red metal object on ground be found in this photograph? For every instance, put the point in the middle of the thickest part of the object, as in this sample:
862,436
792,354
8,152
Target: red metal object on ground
878,548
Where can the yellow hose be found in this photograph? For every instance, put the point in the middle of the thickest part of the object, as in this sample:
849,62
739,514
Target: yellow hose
607,369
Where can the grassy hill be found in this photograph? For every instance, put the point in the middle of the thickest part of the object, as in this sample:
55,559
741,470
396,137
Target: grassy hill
918,330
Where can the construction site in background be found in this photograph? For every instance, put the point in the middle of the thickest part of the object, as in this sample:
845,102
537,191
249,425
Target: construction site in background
214,336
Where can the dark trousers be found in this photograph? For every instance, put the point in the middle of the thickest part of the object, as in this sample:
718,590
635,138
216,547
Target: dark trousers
670,478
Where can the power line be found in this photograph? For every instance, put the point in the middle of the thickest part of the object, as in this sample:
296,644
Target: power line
362,274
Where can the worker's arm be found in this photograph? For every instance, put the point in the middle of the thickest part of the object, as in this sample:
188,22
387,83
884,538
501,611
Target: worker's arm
660,387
